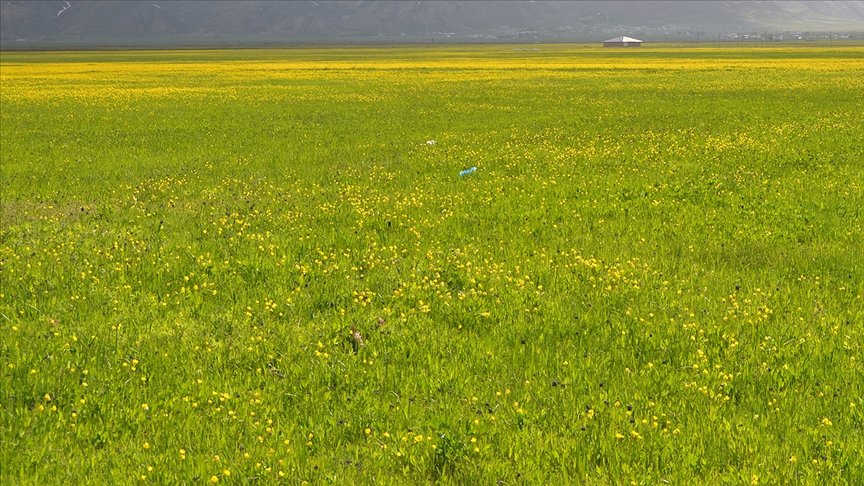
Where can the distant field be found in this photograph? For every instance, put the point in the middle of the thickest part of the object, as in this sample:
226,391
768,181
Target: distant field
653,276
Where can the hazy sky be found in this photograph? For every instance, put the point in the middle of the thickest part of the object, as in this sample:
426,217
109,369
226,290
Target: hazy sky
466,20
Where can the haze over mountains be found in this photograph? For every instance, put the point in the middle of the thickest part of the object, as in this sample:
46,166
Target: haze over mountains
214,22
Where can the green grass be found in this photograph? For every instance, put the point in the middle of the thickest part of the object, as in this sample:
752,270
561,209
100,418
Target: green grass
654,275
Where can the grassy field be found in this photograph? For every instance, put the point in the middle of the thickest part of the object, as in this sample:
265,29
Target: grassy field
264,267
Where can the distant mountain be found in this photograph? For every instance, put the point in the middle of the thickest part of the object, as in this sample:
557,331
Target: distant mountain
110,22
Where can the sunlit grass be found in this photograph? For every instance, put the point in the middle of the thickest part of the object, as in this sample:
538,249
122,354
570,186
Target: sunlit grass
264,266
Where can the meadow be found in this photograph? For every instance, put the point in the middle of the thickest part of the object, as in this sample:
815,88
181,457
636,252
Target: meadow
264,266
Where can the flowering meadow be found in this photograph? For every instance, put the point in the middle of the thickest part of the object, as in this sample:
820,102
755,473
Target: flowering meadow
278,266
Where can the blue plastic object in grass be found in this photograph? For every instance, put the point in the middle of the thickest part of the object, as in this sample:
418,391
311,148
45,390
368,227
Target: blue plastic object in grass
467,171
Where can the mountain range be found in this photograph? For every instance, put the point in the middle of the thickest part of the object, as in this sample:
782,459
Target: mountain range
212,22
